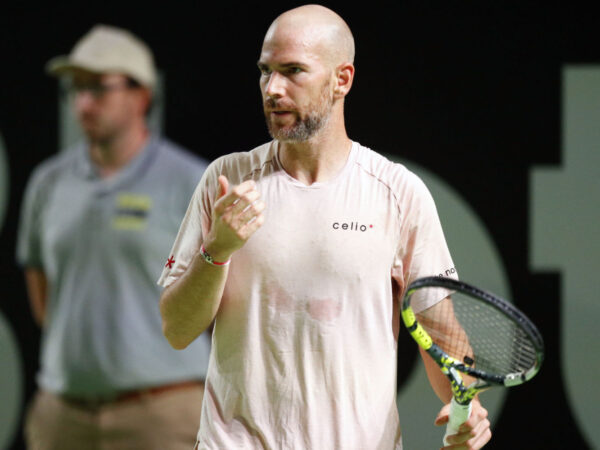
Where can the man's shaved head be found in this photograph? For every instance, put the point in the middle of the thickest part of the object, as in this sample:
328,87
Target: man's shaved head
307,69
317,28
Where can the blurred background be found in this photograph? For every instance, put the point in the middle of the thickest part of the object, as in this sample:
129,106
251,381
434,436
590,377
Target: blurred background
496,106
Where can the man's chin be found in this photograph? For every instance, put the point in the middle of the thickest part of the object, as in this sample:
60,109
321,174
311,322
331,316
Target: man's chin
93,134
282,136
283,133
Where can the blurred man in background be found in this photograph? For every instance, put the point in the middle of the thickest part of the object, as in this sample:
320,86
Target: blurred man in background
96,223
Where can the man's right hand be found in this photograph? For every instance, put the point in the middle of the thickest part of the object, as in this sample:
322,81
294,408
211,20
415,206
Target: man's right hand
237,214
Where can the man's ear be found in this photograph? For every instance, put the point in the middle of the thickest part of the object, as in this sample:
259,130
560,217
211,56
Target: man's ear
343,79
146,100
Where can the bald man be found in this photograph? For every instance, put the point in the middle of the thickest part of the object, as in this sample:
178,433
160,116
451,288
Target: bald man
300,250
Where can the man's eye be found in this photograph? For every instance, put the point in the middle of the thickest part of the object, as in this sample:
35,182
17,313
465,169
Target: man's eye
264,70
294,70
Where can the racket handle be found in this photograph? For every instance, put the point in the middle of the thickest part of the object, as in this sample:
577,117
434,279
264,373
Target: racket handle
458,415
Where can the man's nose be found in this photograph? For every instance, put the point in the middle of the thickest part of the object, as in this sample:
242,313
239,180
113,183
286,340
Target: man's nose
83,100
275,86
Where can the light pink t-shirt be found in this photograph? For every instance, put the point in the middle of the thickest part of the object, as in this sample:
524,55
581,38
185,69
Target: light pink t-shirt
304,343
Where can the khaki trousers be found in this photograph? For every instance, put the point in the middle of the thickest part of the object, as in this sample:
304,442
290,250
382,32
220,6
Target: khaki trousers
167,420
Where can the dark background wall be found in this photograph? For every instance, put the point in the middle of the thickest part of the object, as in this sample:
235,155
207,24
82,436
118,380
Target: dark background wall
472,92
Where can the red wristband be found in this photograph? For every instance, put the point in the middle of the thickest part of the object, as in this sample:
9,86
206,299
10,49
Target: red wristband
209,259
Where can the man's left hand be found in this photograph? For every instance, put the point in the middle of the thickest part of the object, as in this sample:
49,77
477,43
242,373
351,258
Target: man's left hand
473,434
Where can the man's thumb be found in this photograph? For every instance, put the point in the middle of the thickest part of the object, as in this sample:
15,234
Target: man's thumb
443,416
441,420
223,186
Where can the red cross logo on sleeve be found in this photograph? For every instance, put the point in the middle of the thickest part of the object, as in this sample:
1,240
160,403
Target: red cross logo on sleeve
170,262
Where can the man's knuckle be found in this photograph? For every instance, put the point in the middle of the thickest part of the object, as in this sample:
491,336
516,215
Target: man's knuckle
219,208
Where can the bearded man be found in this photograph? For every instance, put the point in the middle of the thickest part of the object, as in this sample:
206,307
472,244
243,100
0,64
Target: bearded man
300,251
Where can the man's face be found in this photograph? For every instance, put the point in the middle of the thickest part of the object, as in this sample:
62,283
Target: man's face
296,88
106,105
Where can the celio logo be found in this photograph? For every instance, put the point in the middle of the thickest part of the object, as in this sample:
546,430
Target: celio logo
350,226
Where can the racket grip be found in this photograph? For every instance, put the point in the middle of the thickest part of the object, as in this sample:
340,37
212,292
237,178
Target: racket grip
458,415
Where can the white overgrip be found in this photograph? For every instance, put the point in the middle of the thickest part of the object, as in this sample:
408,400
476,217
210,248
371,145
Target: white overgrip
458,415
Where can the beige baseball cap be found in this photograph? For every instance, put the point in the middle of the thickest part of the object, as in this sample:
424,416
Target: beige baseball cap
108,49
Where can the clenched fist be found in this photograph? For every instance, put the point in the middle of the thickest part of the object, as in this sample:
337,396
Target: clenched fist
237,214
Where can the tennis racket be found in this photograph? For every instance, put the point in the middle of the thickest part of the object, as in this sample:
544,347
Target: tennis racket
473,333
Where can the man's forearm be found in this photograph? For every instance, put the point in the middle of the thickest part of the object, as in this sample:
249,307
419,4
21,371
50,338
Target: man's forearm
37,290
190,304
439,382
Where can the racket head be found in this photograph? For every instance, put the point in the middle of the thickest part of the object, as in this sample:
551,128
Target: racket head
475,332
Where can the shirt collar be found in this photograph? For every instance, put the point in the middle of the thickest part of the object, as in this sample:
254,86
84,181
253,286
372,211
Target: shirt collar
87,169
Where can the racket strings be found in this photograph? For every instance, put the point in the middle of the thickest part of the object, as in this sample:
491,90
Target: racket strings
479,335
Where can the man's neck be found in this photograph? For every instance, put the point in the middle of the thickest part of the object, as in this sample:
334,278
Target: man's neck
112,155
317,160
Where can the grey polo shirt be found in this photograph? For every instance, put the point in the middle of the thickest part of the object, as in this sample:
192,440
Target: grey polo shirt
102,245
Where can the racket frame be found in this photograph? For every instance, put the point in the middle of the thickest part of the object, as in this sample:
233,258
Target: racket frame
451,366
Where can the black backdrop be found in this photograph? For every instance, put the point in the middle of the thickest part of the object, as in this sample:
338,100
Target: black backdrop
470,91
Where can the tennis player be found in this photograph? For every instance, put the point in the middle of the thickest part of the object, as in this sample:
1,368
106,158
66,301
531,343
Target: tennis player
300,250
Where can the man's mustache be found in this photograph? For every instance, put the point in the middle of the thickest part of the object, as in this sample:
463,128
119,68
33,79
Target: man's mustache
271,103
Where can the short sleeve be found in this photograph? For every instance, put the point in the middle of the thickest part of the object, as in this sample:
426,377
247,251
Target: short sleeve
194,226
29,252
422,250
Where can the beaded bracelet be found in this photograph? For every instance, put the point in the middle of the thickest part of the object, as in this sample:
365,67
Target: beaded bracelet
209,259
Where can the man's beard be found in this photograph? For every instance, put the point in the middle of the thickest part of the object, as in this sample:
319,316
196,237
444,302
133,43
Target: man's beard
305,128
94,129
